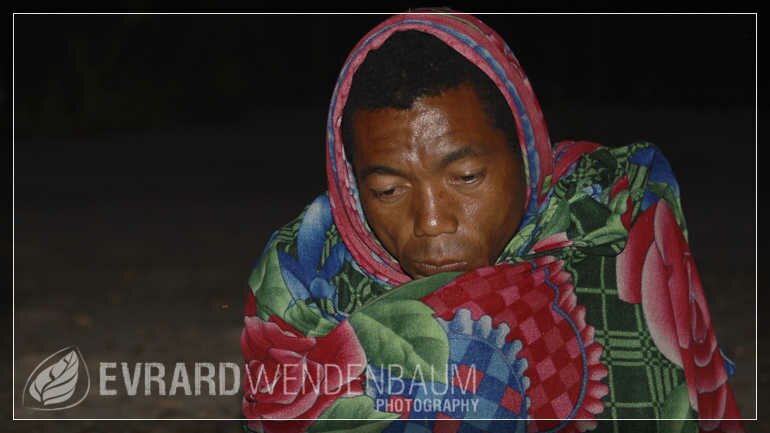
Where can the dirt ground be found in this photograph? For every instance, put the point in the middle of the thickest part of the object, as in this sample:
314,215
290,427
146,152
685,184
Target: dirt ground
164,281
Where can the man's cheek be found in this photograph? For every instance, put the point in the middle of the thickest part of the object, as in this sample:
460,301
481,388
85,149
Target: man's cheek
392,236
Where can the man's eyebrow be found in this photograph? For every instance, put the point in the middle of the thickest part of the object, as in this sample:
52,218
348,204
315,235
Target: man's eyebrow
380,169
457,155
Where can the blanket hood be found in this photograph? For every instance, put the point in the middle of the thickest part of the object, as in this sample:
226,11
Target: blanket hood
480,45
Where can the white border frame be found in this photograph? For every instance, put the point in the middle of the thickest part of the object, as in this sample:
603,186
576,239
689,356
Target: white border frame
13,205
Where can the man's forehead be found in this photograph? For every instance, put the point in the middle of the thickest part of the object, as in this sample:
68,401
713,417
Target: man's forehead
457,111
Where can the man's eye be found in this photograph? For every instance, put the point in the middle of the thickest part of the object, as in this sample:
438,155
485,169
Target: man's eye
385,194
469,178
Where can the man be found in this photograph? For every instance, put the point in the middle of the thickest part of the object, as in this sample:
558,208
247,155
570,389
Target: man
462,270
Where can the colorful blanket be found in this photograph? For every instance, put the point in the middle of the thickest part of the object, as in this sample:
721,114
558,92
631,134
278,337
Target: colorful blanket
594,310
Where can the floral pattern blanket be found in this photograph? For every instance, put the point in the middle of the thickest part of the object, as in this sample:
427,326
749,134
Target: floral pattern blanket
595,310
593,313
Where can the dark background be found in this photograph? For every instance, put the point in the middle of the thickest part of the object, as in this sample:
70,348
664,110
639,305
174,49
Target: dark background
154,154
87,77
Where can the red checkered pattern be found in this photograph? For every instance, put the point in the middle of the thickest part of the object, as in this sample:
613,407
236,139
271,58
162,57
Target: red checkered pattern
518,295
467,378
511,400
446,424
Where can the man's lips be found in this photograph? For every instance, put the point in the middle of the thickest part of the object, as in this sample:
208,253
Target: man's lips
430,268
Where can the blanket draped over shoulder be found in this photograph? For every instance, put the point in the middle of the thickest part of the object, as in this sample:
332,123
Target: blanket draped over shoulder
594,310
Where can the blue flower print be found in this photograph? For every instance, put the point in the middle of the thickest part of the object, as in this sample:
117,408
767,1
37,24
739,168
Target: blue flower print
302,275
659,171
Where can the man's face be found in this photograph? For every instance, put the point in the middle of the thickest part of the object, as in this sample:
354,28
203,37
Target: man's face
439,184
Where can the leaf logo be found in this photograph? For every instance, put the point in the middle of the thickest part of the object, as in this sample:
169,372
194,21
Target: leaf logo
54,382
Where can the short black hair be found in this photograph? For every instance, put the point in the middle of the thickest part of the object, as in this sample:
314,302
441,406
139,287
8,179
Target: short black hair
411,64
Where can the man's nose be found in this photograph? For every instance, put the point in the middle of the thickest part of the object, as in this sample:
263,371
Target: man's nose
434,214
